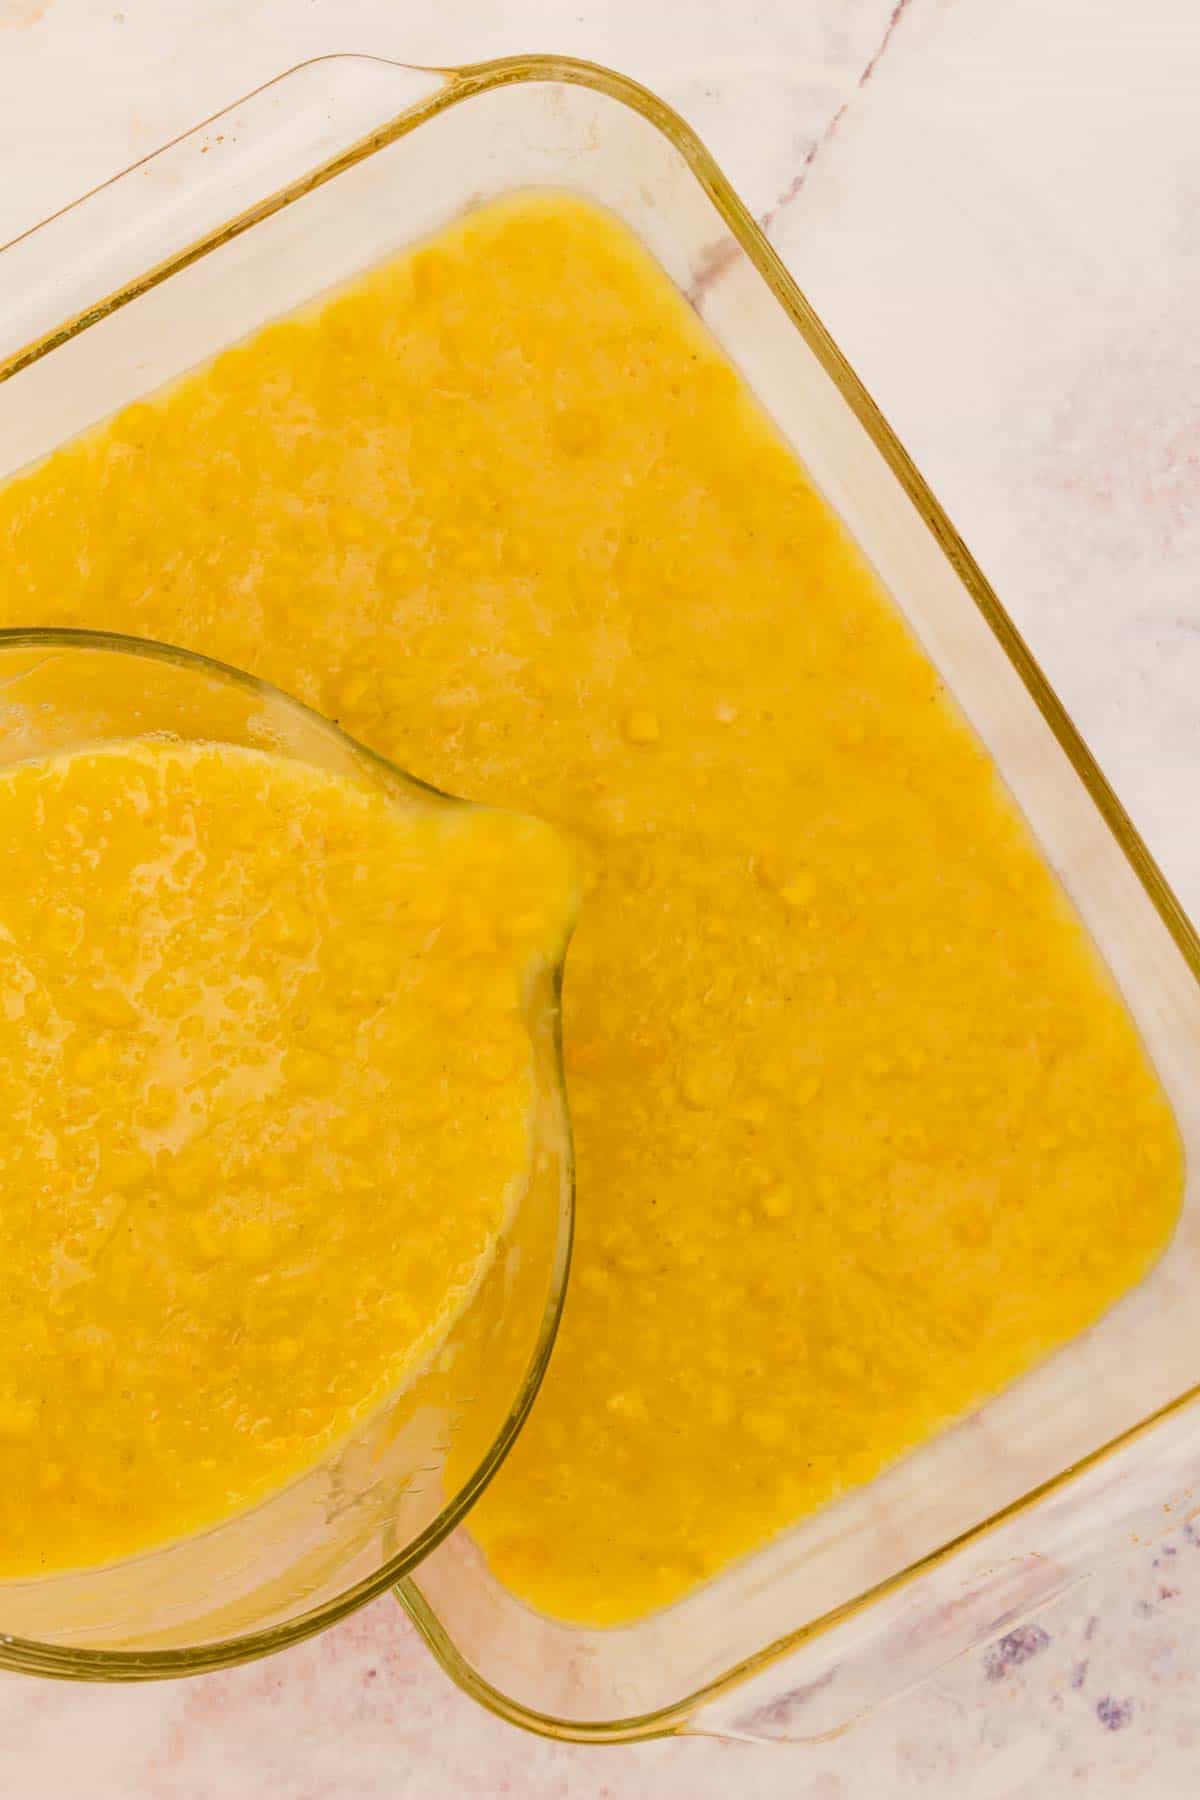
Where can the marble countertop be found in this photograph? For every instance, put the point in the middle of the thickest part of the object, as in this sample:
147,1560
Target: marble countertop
995,205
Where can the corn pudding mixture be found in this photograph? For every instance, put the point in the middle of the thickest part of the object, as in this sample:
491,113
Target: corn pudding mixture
249,1177
862,1128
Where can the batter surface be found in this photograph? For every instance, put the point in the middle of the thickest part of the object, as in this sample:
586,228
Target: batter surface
862,1128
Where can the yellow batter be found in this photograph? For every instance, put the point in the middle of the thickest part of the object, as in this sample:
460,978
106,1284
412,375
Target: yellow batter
266,1088
862,1128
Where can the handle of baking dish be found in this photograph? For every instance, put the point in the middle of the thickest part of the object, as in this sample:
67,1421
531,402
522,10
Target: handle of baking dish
983,1592
210,183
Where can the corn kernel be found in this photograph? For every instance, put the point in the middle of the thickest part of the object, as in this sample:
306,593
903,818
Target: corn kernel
252,1240
720,1406
576,431
800,890
704,1086
641,726
973,1229
532,922
126,1169
628,1405
18,1418
399,564
352,1130
769,867
206,1239
354,694
348,527
776,1203
310,1071
245,830
158,1105
291,927
766,1428
94,1060
845,1361
499,1060
62,930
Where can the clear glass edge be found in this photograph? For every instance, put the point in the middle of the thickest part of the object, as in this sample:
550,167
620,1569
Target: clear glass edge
460,84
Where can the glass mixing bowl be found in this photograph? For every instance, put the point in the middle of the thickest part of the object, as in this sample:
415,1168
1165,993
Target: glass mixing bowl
371,1509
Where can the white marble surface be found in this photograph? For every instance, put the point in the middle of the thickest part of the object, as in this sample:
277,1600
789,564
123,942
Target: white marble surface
995,204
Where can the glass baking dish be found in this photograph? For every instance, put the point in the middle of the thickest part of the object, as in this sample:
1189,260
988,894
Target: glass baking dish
317,176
